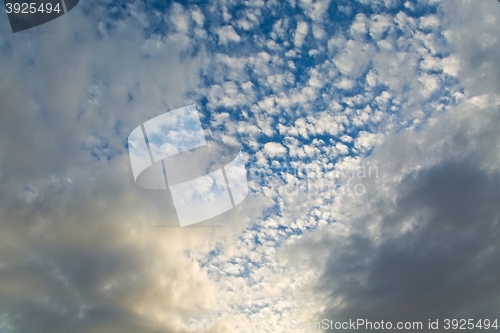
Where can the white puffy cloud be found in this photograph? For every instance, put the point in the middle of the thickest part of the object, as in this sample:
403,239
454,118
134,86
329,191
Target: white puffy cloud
366,140
429,22
353,59
198,16
227,34
345,83
273,149
342,148
300,34
430,84
451,65
379,25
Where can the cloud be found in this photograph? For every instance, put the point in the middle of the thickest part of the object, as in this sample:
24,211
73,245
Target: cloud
430,84
273,149
300,34
379,25
471,32
227,34
346,84
353,59
366,140
429,22
342,148
198,17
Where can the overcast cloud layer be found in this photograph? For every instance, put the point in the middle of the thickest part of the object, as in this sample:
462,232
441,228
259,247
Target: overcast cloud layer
315,93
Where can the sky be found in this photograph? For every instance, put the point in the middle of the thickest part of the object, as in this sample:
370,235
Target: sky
369,131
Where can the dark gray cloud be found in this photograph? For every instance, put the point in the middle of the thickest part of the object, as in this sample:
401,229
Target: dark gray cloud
444,266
